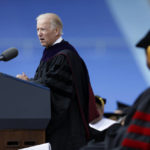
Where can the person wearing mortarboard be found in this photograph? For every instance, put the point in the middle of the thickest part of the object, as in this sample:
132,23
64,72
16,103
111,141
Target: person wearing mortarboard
102,122
135,134
138,120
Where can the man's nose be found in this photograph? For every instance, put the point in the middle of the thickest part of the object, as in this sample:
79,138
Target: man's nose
39,33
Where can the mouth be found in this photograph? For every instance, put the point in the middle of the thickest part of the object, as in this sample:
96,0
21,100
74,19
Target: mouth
41,40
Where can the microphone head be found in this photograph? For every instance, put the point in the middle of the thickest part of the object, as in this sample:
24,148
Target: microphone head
9,54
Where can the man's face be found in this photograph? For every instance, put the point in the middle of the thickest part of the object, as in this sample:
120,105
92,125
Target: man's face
47,35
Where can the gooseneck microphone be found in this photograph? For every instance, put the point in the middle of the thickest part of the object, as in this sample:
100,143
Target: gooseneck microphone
9,54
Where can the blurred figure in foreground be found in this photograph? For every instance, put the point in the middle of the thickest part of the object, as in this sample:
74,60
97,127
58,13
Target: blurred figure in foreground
135,134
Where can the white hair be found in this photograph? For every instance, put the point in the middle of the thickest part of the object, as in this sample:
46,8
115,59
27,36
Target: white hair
54,19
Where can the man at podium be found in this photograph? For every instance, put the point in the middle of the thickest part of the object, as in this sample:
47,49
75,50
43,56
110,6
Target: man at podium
65,73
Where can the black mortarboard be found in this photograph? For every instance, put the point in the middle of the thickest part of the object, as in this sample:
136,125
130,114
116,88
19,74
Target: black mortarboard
110,114
122,106
144,42
101,101
113,116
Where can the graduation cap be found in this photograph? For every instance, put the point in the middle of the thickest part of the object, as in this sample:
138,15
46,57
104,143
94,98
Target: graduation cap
144,42
123,107
113,116
101,101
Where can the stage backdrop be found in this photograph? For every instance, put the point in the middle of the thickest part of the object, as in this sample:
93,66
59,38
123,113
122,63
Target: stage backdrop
103,31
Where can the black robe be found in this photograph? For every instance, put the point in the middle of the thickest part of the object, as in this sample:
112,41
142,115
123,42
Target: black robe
72,100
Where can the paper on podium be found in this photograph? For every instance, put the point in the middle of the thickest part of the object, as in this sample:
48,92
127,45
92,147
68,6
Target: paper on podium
103,124
45,146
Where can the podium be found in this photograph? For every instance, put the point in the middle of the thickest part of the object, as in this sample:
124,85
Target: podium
24,113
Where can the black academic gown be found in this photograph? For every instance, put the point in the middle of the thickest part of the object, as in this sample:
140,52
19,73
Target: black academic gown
67,77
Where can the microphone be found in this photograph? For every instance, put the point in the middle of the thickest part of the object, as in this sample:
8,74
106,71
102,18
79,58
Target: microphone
9,54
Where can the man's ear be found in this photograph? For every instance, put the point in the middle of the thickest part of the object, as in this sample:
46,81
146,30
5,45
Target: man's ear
57,31
148,56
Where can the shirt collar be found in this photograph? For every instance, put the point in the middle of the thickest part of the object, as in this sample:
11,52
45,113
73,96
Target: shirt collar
58,40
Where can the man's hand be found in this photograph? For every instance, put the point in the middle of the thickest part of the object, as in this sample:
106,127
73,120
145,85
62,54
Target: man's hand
22,76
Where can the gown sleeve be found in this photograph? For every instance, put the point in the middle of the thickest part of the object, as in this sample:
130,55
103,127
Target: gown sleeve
59,76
